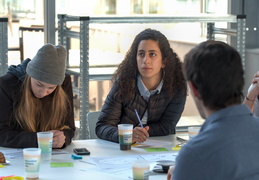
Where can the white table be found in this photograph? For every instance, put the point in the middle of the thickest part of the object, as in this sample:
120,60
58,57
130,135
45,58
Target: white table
81,169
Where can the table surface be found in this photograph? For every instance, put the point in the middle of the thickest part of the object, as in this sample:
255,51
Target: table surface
82,169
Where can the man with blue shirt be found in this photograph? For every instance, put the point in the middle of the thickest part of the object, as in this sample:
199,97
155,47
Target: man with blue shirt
227,147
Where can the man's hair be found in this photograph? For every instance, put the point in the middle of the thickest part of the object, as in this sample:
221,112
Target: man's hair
216,70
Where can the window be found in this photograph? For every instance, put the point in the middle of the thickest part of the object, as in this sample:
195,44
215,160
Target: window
18,8
110,7
137,6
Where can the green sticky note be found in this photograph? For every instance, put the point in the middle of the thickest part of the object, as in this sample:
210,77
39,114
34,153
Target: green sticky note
155,149
61,164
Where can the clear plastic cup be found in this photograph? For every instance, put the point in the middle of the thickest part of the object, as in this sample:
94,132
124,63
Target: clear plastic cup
140,169
125,136
45,144
32,162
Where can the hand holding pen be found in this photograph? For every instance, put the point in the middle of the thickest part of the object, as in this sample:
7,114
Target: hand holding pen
140,134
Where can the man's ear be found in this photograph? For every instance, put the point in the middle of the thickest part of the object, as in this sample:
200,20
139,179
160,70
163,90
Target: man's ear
193,89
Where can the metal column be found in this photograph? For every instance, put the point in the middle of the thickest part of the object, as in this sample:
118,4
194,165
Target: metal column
3,46
210,31
49,21
84,76
62,26
241,37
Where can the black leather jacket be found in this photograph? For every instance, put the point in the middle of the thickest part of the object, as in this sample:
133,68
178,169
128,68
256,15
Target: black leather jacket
163,113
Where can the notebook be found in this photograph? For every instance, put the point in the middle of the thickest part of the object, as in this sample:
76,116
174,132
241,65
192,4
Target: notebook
186,121
183,138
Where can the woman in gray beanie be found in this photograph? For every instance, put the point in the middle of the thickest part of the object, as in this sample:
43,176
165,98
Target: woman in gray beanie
37,96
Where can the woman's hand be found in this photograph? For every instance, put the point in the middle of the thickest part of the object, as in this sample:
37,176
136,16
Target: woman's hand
140,134
58,139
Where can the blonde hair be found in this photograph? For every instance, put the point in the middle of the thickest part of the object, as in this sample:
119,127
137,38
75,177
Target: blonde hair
34,114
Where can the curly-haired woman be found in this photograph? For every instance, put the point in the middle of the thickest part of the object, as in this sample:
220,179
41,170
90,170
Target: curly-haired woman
150,80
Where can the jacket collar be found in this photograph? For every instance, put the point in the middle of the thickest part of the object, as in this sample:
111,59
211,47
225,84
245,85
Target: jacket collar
20,70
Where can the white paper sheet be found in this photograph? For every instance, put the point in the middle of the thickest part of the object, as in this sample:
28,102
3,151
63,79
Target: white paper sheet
152,143
122,165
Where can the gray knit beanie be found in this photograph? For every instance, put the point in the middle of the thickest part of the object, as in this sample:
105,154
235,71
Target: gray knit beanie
48,65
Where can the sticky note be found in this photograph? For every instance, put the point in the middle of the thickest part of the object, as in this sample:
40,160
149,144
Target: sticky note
177,148
61,164
155,149
13,178
73,156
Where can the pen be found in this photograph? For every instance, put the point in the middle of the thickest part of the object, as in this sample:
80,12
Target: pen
139,119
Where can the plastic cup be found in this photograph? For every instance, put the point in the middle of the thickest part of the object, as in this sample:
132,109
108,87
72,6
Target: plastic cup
32,162
125,136
45,144
193,131
140,169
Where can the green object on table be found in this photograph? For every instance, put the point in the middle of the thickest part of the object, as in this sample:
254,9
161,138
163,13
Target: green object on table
155,149
61,164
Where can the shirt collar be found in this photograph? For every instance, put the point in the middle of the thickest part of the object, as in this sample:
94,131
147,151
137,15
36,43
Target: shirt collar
234,110
143,90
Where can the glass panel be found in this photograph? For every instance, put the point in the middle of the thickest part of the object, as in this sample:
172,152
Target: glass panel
137,7
216,6
19,9
110,7
154,7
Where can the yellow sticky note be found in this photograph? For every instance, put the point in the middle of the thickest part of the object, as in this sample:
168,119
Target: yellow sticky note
176,148
1,165
13,178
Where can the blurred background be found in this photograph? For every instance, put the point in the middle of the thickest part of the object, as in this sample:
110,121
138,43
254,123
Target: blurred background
108,43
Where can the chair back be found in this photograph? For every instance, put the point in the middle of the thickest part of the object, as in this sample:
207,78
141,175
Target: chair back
92,118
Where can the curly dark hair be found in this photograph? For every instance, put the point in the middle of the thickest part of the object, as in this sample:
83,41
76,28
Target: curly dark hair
127,71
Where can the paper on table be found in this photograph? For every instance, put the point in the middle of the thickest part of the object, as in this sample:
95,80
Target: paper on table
115,162
16,153
152,143
121,166
59,151
12,153
158,157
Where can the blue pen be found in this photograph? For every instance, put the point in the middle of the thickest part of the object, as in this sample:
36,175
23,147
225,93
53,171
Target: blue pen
138,118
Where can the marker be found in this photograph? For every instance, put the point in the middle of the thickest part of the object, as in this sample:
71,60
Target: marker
138,118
